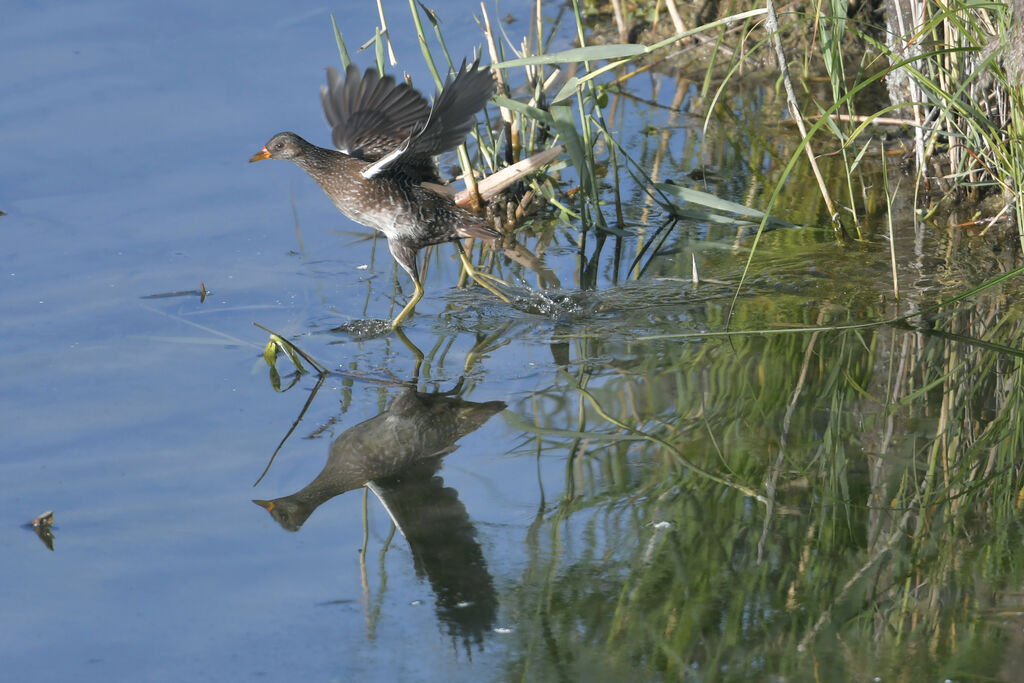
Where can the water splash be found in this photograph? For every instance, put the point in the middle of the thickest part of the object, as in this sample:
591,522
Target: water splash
365,329
556,305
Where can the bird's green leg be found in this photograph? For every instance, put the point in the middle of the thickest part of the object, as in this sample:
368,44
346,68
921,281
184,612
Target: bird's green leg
405,255
416,296
480,277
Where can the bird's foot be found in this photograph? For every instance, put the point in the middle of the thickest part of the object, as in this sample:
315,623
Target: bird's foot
485,280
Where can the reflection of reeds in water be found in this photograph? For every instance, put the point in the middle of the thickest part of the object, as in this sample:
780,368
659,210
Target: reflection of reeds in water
687,459
889,459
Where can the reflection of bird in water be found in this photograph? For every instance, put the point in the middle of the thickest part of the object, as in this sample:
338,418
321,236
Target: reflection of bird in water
397,454
416,426
444,548
388,136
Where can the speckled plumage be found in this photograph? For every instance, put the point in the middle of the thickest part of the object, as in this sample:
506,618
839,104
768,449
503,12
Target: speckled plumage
389,137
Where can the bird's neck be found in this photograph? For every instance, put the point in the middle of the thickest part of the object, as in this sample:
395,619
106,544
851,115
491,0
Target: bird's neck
321,159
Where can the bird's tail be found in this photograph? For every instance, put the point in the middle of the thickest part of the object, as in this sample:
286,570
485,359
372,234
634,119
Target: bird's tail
471,226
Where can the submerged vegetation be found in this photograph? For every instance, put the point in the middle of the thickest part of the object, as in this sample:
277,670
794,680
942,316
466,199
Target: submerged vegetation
765,482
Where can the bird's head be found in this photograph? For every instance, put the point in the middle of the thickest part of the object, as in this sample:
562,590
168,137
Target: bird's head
287,146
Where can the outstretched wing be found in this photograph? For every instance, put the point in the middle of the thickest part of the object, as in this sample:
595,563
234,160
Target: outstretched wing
449,120
371,116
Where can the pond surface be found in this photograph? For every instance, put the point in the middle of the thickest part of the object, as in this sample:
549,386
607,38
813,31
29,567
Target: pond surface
603,487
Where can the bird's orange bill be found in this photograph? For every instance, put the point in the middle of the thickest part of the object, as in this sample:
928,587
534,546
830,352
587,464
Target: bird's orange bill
260,155
268,504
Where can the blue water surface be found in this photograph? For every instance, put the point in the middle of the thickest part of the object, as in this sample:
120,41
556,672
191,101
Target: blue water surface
144,422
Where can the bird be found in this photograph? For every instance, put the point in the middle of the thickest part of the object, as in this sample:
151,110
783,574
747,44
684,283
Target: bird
387,138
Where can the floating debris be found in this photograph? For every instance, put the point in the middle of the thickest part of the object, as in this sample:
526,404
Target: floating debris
202,293
45,519
43,526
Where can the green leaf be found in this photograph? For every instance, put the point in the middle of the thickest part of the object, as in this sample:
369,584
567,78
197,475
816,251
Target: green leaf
579,54
342,49
567,91
709,201
565,124
524,109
